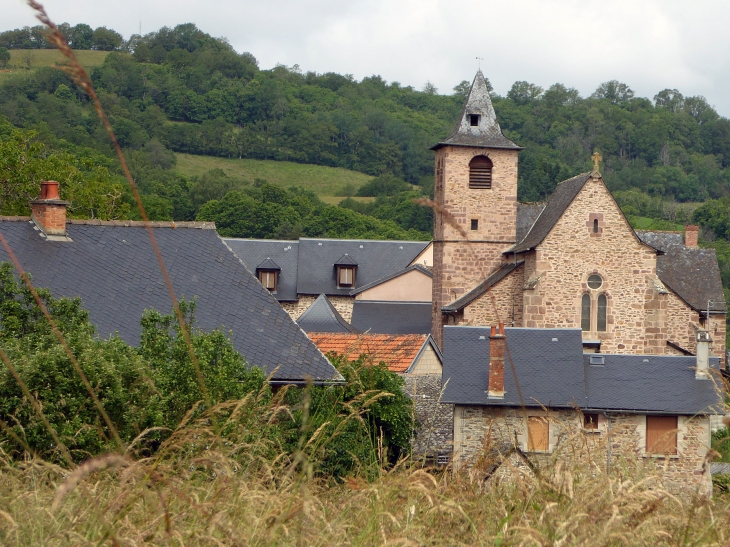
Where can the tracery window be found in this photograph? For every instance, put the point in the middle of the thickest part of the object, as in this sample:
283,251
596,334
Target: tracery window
594,306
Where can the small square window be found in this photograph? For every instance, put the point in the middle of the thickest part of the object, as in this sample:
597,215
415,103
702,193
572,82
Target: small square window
590,421
474,120
475,224
268,279
345,277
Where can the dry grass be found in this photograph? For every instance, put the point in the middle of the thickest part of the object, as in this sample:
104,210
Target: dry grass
184,502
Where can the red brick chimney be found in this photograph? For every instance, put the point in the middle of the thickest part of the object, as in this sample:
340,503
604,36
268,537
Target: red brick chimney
691,234
49,210
496,362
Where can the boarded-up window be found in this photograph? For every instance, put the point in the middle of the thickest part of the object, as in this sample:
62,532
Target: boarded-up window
480,172
590,421
345,276
268,279
585,312
601,318
538,433
661,434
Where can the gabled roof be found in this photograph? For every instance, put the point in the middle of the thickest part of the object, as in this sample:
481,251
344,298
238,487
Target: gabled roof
527,214
268,264
112,267
691,272
487,134
374,259
322,316
387,278
346,260
553,371
285,253
391,317
399,351
498,275
557,204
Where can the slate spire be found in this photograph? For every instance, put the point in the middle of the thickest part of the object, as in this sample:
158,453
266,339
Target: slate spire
478,125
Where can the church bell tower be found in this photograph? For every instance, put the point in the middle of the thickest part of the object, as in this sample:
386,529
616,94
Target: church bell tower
476,195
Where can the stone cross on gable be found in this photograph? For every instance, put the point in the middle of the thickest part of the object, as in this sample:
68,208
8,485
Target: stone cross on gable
596,161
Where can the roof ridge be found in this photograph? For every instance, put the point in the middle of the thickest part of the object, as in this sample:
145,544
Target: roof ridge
141,223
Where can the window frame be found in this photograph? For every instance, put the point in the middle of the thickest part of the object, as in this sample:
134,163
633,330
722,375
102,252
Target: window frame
590,422
480,172
544,438
340,271
269,274
659,436
474,224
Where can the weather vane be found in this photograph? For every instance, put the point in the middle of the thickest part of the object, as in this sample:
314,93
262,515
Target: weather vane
480,59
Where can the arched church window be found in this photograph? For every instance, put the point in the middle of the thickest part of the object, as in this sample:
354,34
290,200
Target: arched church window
585,312
480,172
601,317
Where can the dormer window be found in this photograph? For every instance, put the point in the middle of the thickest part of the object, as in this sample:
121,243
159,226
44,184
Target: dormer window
346,268
268,274
474,120
480,172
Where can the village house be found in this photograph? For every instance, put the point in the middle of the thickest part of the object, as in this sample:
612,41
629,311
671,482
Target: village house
377,286
574,262
574,407
112,267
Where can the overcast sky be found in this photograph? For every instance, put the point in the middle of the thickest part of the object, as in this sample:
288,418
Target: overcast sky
649,44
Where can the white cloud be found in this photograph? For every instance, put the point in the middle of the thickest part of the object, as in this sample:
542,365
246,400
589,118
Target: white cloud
648,44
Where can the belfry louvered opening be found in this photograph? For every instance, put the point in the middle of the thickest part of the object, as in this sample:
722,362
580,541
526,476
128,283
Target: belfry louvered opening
480,172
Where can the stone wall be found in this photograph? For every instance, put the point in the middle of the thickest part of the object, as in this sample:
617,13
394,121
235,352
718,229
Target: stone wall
434,434
507,297
572,252
428,363
463,257
622,437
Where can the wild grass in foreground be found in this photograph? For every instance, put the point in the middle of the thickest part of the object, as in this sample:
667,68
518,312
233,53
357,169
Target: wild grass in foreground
207,499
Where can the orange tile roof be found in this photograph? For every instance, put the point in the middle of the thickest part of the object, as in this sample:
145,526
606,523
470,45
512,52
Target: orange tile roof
397,350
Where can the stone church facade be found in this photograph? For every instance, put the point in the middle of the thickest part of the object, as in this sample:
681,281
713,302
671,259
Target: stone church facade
574,262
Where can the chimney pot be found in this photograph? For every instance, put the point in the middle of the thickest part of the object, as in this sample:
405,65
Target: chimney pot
49,211
691,235
493,331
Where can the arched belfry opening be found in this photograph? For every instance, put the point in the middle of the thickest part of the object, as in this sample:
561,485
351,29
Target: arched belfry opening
480,172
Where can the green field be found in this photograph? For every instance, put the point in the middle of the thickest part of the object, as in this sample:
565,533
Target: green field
323,181
23,61
645,223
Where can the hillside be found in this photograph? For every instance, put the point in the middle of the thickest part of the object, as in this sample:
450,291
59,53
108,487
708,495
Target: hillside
324,181
24,61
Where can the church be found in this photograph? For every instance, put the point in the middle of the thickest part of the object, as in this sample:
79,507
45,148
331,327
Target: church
573,262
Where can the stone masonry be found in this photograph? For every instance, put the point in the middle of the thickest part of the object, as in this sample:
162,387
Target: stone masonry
343,304
464,257
618,439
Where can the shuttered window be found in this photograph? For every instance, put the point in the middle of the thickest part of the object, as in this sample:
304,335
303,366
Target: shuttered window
345,276
538,433
661,434
585,312
268,279
480,172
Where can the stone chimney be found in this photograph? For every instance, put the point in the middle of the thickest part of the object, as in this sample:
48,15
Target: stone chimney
496,362
691,234
703,355
49,210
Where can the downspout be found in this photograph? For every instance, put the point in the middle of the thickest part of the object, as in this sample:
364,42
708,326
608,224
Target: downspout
608,444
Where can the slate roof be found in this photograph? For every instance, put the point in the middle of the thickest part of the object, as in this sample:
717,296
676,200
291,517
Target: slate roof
527,214
691,272
558,202
375,260
267,264
322,316
391,317
113,268
498,275
417,267
253,252
553,371
487,134
346,260
398,351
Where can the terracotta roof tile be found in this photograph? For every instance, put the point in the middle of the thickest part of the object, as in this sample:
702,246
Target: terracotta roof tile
398,351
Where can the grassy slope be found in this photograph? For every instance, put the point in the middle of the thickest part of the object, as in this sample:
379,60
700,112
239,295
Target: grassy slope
323,181
46,57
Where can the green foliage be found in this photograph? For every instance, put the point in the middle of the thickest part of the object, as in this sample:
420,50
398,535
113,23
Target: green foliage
268,211
223,371
359,426
721,444
4,57
121,380
384,185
